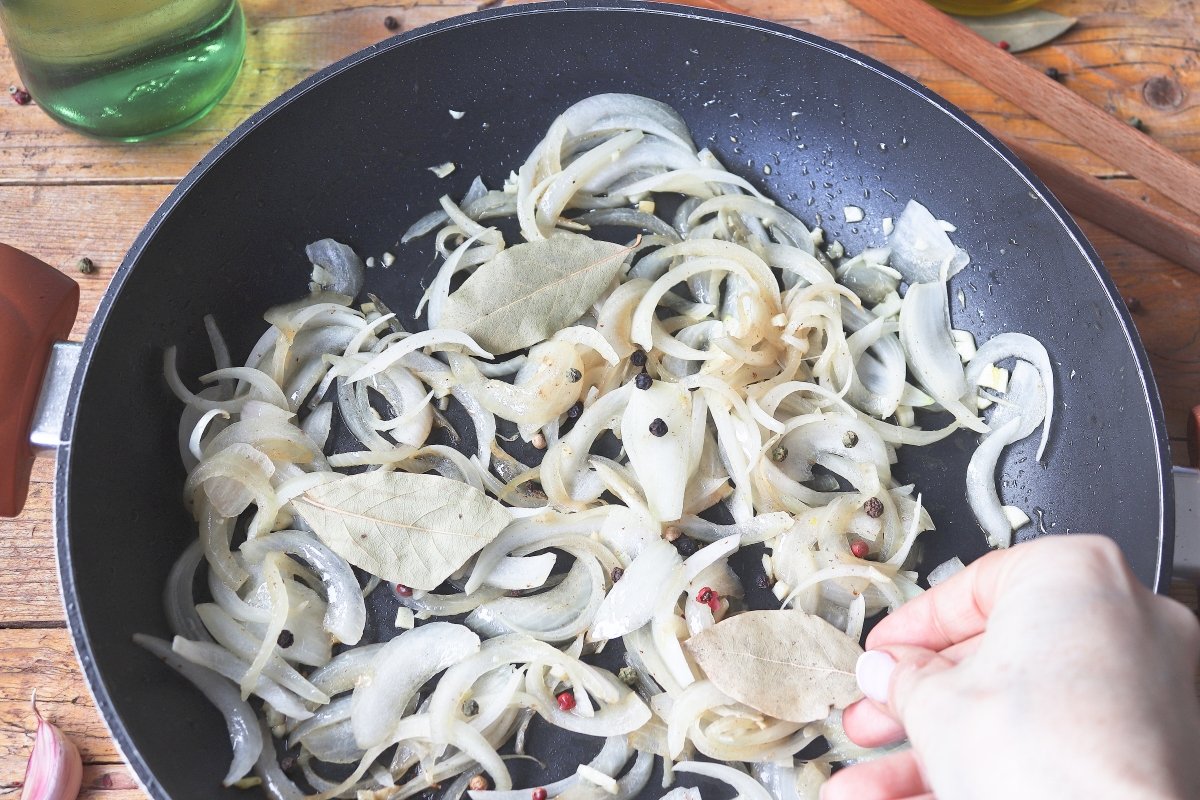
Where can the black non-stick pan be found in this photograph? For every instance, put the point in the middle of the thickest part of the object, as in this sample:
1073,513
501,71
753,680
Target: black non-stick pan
345,154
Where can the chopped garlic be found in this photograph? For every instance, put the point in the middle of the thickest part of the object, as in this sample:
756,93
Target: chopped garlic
388,259
457,114
404,618
442,170
781,590
964,344
370,261
853,214
598,778
1016,517
994,378
766,562
646,206
887,226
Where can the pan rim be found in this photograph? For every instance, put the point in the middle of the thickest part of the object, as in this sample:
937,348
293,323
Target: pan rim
66,567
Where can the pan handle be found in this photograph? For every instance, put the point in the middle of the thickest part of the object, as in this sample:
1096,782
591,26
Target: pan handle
37,308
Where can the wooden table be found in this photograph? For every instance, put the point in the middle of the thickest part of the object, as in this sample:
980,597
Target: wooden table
63,196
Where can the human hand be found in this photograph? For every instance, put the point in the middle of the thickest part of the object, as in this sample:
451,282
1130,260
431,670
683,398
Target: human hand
1046,671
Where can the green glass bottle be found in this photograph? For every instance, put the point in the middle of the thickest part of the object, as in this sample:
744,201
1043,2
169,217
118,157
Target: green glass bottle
125,69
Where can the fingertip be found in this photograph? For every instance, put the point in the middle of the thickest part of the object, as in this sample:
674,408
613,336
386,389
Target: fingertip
873,671
868,724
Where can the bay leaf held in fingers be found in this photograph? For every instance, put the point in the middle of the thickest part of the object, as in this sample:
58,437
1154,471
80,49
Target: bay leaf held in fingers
1023,30
409,529
788,664
530,291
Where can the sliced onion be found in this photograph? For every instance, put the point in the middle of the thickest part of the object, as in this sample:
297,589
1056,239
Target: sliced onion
239,717
346,614
398,670
981,485
625,609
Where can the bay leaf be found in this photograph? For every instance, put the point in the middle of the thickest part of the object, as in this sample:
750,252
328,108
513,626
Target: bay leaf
1023,30
409,529
532,290
788,664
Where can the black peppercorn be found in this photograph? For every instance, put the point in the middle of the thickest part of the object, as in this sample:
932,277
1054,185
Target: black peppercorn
686,545
1053,74
762,582
573,375
574,411
617,574
658,427
286,639
391,23
873,507
638,359
643,381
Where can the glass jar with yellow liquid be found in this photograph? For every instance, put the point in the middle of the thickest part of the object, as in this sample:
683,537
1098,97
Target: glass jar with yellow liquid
982,8
125,69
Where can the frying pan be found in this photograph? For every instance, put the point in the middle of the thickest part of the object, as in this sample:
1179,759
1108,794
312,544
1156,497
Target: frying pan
345,154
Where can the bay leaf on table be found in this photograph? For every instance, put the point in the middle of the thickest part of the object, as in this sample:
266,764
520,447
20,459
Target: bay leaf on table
409,529
788,664
532,290
1023,30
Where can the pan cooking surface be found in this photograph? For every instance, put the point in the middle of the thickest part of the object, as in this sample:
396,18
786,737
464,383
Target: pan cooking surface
345,155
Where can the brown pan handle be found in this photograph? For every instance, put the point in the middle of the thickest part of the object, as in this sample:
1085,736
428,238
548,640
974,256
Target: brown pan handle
37,308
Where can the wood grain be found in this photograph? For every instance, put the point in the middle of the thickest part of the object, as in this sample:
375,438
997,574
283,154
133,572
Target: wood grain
1174,238
63,196
1041,96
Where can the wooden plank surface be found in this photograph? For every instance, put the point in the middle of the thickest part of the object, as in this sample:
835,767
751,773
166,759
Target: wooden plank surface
63,196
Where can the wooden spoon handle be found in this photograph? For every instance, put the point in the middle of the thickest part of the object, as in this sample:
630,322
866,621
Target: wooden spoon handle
1156,230
1059,107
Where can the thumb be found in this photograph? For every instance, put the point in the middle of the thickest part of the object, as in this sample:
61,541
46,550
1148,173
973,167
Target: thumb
892,676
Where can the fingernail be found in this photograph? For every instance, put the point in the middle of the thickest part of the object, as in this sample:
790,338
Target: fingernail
874,673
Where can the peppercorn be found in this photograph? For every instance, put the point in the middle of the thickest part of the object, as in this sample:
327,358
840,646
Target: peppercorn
566,700
849,439
403,591
658,427
391,23
20,96
1053,74
628,676
859,549
574,375
779,453
1133,304
1003,45
705,595
672,533
85,265
286,639
574,411
638,358
617,574
686,545
470,708
538,441
643,381
762,581
538,794
1136,122
478,784
287,763
873,507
